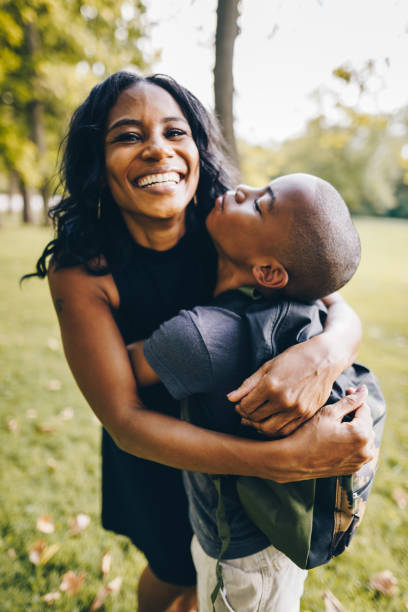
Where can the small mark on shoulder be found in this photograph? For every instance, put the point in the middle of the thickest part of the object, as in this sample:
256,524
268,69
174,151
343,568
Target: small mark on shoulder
58,303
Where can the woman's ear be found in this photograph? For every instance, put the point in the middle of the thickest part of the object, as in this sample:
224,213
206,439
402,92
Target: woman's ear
271,276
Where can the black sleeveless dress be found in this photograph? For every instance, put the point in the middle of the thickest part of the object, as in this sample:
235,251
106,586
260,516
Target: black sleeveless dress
144,500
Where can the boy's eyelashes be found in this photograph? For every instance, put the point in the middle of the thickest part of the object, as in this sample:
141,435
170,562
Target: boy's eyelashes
257,207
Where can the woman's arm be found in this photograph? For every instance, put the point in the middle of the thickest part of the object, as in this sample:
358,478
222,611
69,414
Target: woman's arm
100,364
289,389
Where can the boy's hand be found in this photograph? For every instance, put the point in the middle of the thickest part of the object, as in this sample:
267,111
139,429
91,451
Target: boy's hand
287,390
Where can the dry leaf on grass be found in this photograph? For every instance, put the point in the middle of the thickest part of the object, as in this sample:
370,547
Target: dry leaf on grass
111,587
12,425
66,414
52,464
71,582
115,584
46,428
12,554
106,563
385,582
53,385
331,603
99,599
400,497
53,344
78,523
40,553
45,524
51,597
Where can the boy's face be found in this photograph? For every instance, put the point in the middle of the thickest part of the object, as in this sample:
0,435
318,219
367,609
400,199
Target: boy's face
248,225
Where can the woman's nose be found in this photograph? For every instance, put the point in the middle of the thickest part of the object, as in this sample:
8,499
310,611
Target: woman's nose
156,149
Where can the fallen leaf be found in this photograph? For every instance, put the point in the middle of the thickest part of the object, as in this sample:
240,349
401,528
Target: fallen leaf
400,497
51,597
385,582
46,428
12,425
106,563
52,464
31,413
111,587
71,582
40,553
331,603
99,600
53,385
45,524
79,523
12,554
53,344
115,584
67,413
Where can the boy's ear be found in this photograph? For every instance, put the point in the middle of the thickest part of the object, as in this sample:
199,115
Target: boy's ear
271,276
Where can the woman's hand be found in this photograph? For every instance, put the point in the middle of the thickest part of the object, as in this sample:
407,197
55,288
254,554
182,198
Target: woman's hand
289,389
328,446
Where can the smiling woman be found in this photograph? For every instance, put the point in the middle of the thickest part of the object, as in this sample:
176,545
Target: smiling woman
130,251
152,161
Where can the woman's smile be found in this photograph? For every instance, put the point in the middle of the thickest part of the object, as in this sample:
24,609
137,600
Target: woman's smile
152,161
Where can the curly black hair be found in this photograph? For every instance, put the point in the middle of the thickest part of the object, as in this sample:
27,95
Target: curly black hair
80,232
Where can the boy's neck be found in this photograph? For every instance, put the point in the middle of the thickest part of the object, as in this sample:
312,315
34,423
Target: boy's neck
230,276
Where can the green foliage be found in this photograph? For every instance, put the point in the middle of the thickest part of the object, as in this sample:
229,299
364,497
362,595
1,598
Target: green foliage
360,156
30,489
53,52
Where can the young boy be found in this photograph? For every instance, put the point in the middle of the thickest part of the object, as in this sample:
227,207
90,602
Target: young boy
292,240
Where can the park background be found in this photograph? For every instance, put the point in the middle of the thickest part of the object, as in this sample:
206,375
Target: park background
319,86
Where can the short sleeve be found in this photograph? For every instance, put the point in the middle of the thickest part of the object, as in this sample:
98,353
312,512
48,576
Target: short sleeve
198,351
177,354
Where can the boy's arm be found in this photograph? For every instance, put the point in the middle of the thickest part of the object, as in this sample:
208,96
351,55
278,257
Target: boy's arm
289,389
144,373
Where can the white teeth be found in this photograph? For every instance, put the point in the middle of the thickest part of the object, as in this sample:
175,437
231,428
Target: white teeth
164,177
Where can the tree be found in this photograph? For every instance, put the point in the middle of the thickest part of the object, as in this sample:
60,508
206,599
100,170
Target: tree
53,52
226,33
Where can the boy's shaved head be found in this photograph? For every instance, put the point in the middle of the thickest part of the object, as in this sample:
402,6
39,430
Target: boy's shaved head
321,250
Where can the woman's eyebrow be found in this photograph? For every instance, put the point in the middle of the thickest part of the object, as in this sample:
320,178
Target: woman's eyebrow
138,123
122,122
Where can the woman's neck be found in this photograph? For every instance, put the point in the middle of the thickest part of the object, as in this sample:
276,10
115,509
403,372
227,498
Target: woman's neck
156,234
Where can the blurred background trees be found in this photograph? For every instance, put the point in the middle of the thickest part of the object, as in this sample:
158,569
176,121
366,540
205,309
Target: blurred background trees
54,51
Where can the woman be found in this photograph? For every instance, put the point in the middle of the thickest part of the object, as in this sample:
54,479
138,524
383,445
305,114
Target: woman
129,242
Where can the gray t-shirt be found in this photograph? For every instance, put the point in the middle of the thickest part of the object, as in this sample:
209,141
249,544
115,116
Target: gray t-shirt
203,354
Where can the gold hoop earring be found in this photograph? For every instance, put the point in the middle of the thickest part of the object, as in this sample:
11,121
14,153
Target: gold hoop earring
98,210
195,201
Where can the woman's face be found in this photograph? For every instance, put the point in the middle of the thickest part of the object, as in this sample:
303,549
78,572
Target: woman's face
151,159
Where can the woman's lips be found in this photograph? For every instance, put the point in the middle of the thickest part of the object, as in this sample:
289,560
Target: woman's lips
158,178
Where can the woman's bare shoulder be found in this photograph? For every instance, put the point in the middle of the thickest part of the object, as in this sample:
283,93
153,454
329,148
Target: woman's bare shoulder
75,284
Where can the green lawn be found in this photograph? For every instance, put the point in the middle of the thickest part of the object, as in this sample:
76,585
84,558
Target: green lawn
50,456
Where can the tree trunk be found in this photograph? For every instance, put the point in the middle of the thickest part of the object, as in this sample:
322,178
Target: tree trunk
226,33
26,195
46,193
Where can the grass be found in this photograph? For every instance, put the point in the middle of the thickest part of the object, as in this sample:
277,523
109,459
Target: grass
50,465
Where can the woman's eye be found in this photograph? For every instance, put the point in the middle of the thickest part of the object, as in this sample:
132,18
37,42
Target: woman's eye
128,137
256,206
173,132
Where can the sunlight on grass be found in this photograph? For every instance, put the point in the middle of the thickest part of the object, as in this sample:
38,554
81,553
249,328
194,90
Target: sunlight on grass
49,443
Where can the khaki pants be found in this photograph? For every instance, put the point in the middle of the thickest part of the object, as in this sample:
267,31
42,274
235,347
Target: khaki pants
267,581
